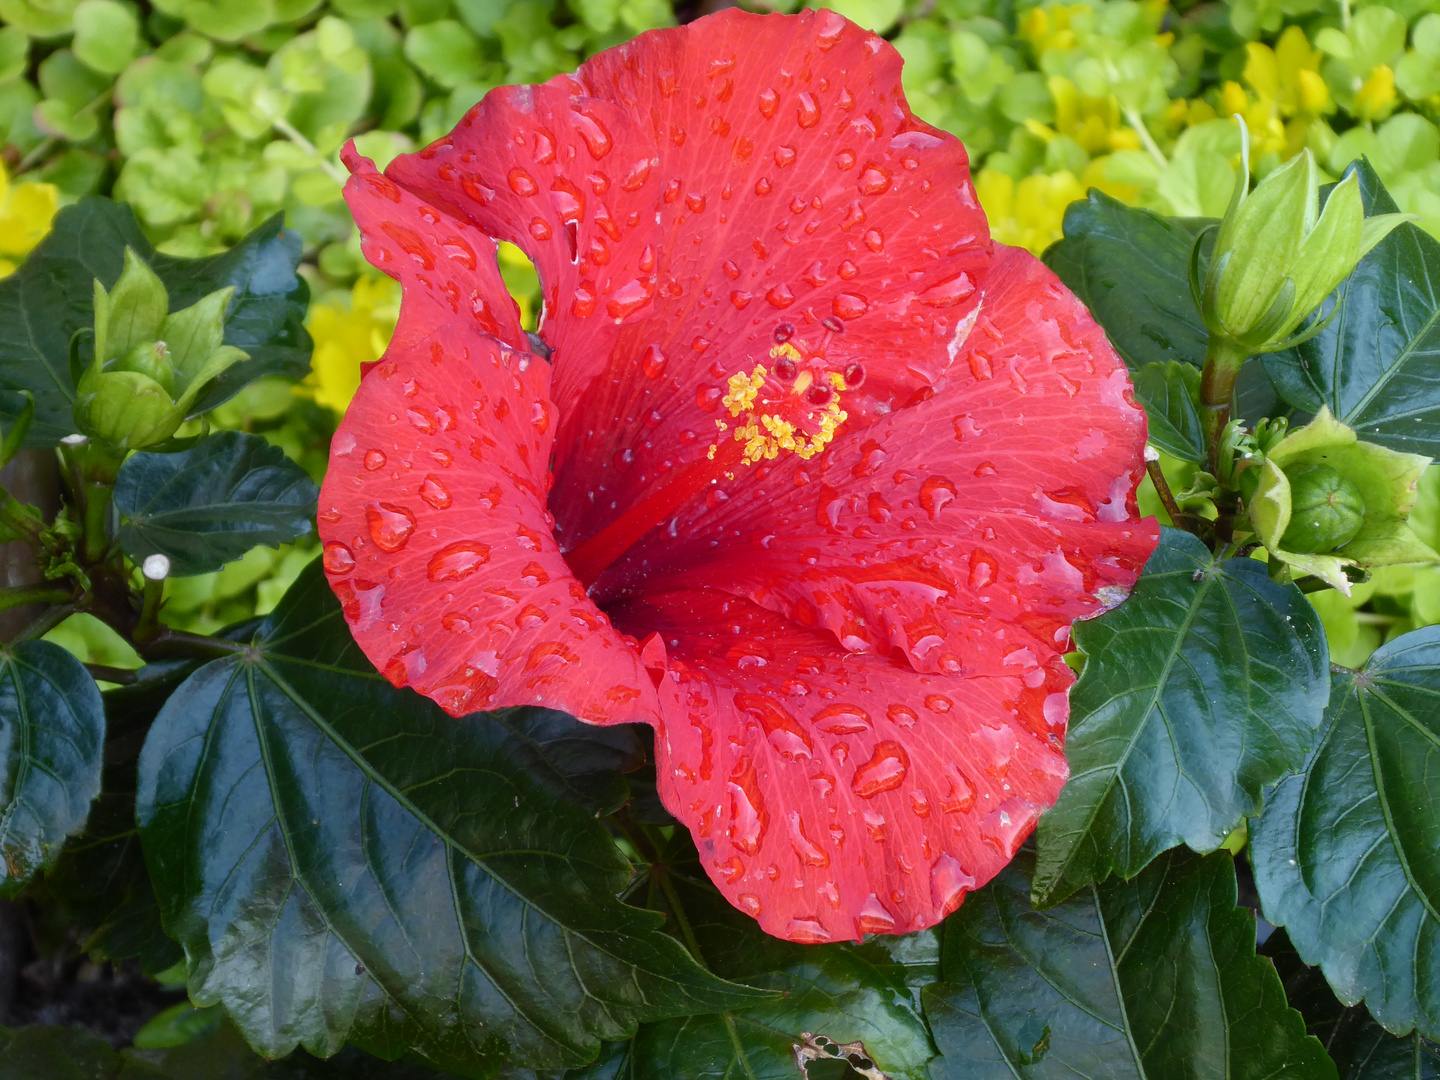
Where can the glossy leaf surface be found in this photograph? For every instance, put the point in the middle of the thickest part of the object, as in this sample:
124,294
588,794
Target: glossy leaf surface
343,861
52,732
100,878
1375,365
847,993
1131,267
209,505
1205,686
1154,979
1360,1048
1170,392
1347,853
49,298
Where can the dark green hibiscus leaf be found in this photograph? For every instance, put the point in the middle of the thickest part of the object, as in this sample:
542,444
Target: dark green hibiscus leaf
591,760
1152,979
1374,364
1360,1048
391,876
834,995
52,734
100,878
62,1053
1204,687
1131,268
1170,392
1347,853
209,505
50,297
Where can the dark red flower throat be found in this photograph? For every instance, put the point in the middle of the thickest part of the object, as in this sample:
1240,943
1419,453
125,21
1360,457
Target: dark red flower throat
841,471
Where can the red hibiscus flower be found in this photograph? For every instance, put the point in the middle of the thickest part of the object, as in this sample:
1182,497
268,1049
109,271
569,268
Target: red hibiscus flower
807,473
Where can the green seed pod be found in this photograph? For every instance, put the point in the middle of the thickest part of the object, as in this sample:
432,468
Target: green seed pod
150,358
1326,510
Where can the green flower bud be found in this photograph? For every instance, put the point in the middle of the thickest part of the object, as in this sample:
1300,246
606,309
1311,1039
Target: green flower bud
149,365
1275,260
1324,500
1326,510
150,358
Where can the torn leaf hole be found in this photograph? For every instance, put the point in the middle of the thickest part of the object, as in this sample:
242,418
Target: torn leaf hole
820,1057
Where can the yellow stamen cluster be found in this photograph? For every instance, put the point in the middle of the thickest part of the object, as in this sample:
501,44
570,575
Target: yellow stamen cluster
766,434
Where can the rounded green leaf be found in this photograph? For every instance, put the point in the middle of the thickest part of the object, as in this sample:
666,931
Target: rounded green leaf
391,876
107,35
1170,392
1204,687
1347,853
52,733
445,51
1156,979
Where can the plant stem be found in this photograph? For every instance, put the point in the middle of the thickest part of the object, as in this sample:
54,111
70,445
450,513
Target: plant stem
326,165
1162,487
123,676
47,622
1223,361
147,627
1136,121
15,597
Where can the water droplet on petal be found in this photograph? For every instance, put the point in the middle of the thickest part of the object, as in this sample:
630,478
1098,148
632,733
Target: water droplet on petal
841,719
807,112
374,460
873,180
804,848
521,182
873,918
390,525
434,492
807,931
338,558
883,772
457,561
749,903
948,884
748,816
935,493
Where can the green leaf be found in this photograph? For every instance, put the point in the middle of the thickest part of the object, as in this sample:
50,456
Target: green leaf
1347,853
209,505
399,878
50,297
847,993
52,731
1373,364
1131,269
107,35
100,879
590,760
1155,979
1170,392
1361,1048
65,1053
1204,687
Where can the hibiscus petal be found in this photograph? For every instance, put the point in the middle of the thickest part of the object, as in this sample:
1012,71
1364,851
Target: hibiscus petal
684,195
834,795
966,532
433,515
447,267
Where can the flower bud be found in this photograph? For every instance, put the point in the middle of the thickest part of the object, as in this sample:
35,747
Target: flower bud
151,358
149,364
1324,500
1326,510
1275,261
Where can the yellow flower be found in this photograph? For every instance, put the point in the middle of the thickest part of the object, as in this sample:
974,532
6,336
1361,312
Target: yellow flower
1289,74
26,211
1376,97
348,336
1262,118
1093,122
1027,214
